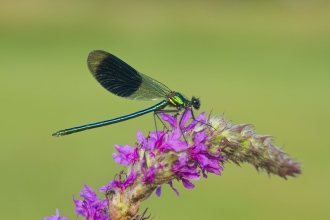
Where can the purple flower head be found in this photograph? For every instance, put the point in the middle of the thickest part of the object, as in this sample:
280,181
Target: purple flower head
174,143
122,185
127,155
56,217
163,141
185,170
91,208
153,141
160,145
207,162
198,155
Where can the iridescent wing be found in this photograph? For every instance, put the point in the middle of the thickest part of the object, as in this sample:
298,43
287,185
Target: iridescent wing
121,79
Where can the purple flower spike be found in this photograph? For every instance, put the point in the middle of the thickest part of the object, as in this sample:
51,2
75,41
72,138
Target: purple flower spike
191,148
56,217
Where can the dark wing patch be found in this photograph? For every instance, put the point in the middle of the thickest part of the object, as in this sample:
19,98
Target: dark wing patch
123,80
113,74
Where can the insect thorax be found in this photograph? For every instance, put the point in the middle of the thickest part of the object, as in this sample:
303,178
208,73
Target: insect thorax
177,100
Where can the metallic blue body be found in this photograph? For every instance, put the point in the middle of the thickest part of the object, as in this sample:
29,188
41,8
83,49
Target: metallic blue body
67,131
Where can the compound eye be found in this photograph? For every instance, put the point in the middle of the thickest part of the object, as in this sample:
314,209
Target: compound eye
195,103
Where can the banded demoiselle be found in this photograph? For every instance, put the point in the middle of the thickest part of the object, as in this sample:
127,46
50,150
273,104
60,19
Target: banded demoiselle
121,79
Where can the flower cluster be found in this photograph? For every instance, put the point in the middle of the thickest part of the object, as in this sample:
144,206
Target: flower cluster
185,152
91,207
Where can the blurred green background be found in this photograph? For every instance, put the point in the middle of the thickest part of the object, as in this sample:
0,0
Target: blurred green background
261,62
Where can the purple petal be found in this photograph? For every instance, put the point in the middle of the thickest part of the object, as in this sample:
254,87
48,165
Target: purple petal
174,189
175,145
202,160
79,209
152,154
156,139
130,179
88,194
214,167
204,174
91,207
169,119
187,184
150,175
127,155
120,160
142,140
160,139
189,173
186,115
126,150
183,159
200,137
155,135
213,170
152,140
159,191
183,169
175,135
140,137
199,118
104,203
111,185
198,149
